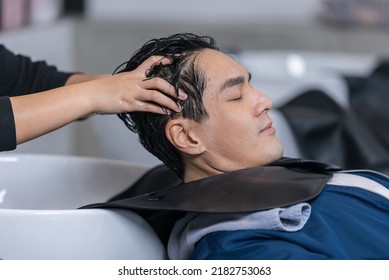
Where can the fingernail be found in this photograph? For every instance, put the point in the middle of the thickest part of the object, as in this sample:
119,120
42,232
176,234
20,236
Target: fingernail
182,95
179,107
166,111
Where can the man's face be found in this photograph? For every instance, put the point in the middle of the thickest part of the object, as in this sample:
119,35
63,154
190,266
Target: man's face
238,132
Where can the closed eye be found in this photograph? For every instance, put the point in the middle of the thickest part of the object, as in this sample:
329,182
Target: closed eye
237,98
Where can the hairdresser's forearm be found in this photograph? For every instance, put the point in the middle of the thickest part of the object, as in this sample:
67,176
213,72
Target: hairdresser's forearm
80,78
41,113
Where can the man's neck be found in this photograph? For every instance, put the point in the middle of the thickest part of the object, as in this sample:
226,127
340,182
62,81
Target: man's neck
195,172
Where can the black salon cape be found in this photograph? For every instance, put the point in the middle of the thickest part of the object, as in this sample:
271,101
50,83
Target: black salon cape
161,198
19,76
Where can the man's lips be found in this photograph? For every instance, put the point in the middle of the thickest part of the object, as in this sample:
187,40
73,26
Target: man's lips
268,128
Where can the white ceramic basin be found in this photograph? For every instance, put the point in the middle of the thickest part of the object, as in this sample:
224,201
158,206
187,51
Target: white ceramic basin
39,197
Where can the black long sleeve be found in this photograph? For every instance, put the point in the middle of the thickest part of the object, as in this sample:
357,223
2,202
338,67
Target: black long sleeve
7,125
19,75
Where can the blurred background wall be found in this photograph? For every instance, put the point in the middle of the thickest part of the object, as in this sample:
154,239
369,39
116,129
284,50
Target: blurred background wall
95,36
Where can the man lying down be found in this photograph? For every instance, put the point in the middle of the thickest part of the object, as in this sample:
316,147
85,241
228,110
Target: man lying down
240,199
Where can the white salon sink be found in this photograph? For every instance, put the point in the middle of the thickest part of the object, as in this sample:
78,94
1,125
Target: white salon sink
39,219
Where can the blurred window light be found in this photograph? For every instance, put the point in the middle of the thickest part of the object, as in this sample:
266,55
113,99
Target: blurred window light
296,66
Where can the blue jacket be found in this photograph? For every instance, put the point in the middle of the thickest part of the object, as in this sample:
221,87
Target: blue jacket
345,223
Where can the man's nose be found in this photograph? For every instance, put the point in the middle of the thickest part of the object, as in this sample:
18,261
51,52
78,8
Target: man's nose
262,103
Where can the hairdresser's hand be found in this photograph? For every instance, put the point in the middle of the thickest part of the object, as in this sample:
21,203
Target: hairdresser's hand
131,91
40,113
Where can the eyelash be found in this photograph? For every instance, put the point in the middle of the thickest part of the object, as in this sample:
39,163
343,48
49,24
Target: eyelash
238,98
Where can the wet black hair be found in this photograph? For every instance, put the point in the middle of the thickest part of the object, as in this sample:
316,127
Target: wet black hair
183,73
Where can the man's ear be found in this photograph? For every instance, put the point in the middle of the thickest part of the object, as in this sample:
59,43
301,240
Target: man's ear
183,135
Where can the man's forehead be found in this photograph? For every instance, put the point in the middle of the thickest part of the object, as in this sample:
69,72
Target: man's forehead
208,55
222,70
218,67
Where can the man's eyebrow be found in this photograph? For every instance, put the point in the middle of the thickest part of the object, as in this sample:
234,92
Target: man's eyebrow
234,81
